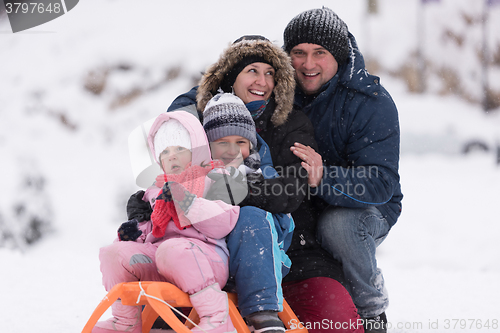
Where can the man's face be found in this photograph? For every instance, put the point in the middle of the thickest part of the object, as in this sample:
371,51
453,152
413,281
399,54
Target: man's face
314,66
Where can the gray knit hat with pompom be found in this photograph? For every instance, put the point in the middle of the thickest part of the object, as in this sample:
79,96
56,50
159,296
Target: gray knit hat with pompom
226,114
322,27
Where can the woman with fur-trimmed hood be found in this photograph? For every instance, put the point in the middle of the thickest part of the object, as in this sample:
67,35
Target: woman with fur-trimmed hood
276,121
260,73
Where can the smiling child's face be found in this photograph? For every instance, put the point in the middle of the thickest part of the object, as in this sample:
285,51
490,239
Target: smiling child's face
174,159
231,150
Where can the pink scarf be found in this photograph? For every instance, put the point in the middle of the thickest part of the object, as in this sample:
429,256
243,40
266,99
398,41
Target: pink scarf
193,180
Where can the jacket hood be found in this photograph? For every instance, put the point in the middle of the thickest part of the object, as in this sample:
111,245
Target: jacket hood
353,73
199,143
284,88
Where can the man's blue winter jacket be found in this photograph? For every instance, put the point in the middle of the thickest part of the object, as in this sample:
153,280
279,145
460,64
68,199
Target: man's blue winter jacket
357,130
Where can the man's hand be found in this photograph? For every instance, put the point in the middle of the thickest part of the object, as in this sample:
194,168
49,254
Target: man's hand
311,161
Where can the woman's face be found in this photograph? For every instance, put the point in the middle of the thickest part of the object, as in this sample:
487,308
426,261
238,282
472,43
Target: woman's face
255,82
231,150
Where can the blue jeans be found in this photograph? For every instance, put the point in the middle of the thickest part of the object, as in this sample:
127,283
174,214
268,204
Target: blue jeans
352,235
257,259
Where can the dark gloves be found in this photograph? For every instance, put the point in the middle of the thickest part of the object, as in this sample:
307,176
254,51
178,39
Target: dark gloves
255,178
175,191
268,194
232,189
137,209
165,194
129,231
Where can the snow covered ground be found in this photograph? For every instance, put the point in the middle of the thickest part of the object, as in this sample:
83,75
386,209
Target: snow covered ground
441,261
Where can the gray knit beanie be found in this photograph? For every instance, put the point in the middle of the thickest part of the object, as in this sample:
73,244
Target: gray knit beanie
226,114
322,27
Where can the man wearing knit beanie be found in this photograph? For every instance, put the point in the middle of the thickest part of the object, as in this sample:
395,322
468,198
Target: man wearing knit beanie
322,27
354,173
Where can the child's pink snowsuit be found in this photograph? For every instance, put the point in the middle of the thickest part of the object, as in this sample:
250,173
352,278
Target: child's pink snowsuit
192,258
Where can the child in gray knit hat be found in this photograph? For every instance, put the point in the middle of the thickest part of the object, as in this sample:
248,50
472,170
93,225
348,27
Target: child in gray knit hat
231,132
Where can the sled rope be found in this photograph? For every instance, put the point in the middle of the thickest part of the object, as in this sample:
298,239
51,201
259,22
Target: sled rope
143,293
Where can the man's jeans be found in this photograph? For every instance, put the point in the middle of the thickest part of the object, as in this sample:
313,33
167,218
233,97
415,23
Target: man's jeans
351,235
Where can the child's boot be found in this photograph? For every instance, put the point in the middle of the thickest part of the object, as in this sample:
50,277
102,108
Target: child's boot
265,322
125,319
212,306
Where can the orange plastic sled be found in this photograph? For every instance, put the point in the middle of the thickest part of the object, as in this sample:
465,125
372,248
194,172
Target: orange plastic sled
154,295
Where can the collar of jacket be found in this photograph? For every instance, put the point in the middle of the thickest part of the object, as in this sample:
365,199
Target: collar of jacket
263,120
303,101
353,74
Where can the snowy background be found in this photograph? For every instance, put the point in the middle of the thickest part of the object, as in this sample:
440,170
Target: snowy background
73,89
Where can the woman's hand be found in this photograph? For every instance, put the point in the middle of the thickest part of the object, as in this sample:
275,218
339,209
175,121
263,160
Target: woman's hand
312,162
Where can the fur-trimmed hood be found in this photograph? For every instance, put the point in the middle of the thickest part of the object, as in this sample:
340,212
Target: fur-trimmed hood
284,88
